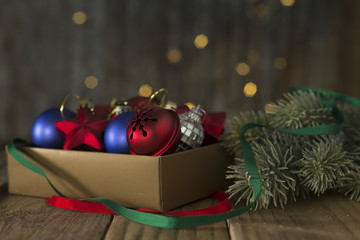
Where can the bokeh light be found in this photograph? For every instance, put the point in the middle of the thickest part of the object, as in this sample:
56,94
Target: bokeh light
79,17
174,55
287,3
270,108
201,41
145,90
280,63
91,82
250,89
254,56
242,69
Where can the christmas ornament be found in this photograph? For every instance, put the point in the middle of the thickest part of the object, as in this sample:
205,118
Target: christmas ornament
44,133
115,133
164,102
213,123
191,129
85,131
119,107
154,131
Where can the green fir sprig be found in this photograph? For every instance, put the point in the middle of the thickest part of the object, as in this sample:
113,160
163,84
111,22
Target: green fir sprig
323,164
289,165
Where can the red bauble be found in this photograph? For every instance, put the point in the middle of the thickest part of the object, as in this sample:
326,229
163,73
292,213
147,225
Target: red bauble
154,131
86,130
139,103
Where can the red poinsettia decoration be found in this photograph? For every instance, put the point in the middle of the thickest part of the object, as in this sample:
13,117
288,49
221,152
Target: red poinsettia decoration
86,130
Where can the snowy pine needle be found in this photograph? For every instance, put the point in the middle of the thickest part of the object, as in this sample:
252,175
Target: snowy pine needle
323,163
277,173
293,165
230,139
300,109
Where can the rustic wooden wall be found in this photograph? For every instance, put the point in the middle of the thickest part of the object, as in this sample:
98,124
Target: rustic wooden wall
44,55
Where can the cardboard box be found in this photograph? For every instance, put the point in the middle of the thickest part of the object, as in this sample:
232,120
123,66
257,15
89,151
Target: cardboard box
160,183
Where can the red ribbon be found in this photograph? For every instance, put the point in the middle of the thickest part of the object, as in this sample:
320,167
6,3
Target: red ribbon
95,207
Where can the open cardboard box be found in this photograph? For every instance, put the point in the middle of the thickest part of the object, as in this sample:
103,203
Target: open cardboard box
159,183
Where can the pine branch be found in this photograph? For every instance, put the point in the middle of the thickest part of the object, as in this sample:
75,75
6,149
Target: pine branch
277,169
350,183
351,125
230,140
300,109
291,165
323,163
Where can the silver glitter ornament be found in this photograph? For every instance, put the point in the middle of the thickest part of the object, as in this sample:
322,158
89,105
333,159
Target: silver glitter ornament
191,129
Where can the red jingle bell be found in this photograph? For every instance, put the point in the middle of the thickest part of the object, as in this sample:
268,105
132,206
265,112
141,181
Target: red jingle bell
139,103
154,131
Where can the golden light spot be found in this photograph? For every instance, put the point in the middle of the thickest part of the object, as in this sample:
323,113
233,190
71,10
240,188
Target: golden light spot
262,10
145,90
270,108
254,56
287,3
79,17
190,105
174,55
280,63
242,69
250,89
201,41
91,82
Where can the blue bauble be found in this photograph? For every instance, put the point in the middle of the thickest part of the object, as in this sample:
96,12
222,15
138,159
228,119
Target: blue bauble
115,133
44,133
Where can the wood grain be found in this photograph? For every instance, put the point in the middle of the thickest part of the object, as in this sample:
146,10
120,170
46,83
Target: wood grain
122,228
44,55
32,218
329,216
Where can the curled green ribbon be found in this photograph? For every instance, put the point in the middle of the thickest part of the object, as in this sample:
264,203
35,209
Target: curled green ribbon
250,163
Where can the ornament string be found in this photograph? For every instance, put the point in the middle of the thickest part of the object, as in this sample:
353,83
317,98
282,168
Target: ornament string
250,163
62,106
163,98
116,105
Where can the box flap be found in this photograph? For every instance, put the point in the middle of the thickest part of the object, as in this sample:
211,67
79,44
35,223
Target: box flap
129,180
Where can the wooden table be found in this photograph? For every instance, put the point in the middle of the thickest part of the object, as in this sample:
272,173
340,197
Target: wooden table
329,216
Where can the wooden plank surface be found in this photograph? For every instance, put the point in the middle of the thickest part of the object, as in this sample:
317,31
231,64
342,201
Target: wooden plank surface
122,228
330,216
32,218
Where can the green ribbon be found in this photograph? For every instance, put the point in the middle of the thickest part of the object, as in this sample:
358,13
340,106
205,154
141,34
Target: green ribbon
150,218
250,163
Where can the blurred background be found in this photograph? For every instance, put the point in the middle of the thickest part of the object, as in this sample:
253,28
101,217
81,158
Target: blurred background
228,55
